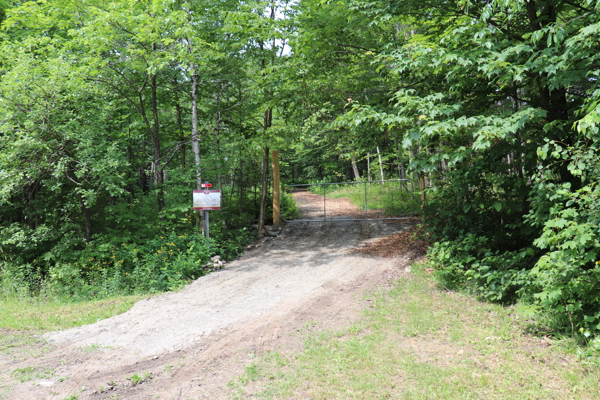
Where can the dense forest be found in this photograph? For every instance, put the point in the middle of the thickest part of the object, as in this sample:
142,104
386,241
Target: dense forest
112,112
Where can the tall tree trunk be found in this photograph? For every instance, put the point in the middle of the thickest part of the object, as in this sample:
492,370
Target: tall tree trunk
355,168
380,165
218,139
195,143
241,183
276,188
554,101
263,191
242,180
87,219
181,134
400,163
158,171
267,120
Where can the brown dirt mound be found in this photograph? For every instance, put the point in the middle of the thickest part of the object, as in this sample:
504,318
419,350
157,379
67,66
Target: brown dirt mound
408,243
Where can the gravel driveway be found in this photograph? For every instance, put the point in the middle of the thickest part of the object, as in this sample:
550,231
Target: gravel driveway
189,344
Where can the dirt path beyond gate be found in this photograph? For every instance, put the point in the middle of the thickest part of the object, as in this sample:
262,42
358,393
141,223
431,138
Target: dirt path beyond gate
190,344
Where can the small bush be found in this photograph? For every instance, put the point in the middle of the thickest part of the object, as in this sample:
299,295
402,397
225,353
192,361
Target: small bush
468,264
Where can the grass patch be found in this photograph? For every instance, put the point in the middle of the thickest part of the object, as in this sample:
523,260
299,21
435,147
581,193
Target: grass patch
46,316
418,342
23,320
29,373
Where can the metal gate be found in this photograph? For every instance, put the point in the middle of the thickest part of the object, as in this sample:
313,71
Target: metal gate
352,201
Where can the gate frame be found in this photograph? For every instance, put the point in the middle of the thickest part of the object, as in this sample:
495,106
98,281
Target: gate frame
366,203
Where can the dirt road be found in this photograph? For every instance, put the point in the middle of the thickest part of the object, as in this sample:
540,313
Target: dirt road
190,344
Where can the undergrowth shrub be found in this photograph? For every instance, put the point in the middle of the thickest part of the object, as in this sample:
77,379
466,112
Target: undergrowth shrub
134,249
289,209
468,264
564,285
114,265
556,277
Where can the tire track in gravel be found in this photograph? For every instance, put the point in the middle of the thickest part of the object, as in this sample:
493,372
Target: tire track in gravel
192,342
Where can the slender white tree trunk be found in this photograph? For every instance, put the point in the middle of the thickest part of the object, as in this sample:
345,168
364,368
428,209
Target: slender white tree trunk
195,143
380,165
355,168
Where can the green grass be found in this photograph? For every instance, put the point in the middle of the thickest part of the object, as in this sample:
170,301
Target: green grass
418,342
23,320
28,373
46,316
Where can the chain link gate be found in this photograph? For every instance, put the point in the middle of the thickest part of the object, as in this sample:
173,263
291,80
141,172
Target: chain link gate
353,201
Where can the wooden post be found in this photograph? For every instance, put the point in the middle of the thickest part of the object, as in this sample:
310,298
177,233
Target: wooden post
276,188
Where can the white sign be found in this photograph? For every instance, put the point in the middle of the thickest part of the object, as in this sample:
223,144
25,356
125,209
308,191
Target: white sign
207,200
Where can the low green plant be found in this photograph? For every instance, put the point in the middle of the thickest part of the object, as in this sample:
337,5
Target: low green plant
289,209
92,347
135,379
24,374
139,378
251,373
134,250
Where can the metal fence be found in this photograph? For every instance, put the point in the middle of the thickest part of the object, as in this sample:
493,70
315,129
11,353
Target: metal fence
350,201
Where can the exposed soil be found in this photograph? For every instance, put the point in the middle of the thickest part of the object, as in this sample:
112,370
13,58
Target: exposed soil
406,243
190,344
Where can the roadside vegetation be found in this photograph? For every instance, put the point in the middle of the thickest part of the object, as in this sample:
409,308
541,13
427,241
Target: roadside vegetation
420,341
24,319
132,260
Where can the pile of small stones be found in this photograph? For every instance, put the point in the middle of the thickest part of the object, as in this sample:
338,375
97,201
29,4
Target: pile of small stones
215,263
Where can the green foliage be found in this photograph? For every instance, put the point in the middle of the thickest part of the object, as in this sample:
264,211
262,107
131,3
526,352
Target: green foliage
135,379
230,243
79,216
468,264
288,207
565,281
118,263
487,108
24,374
